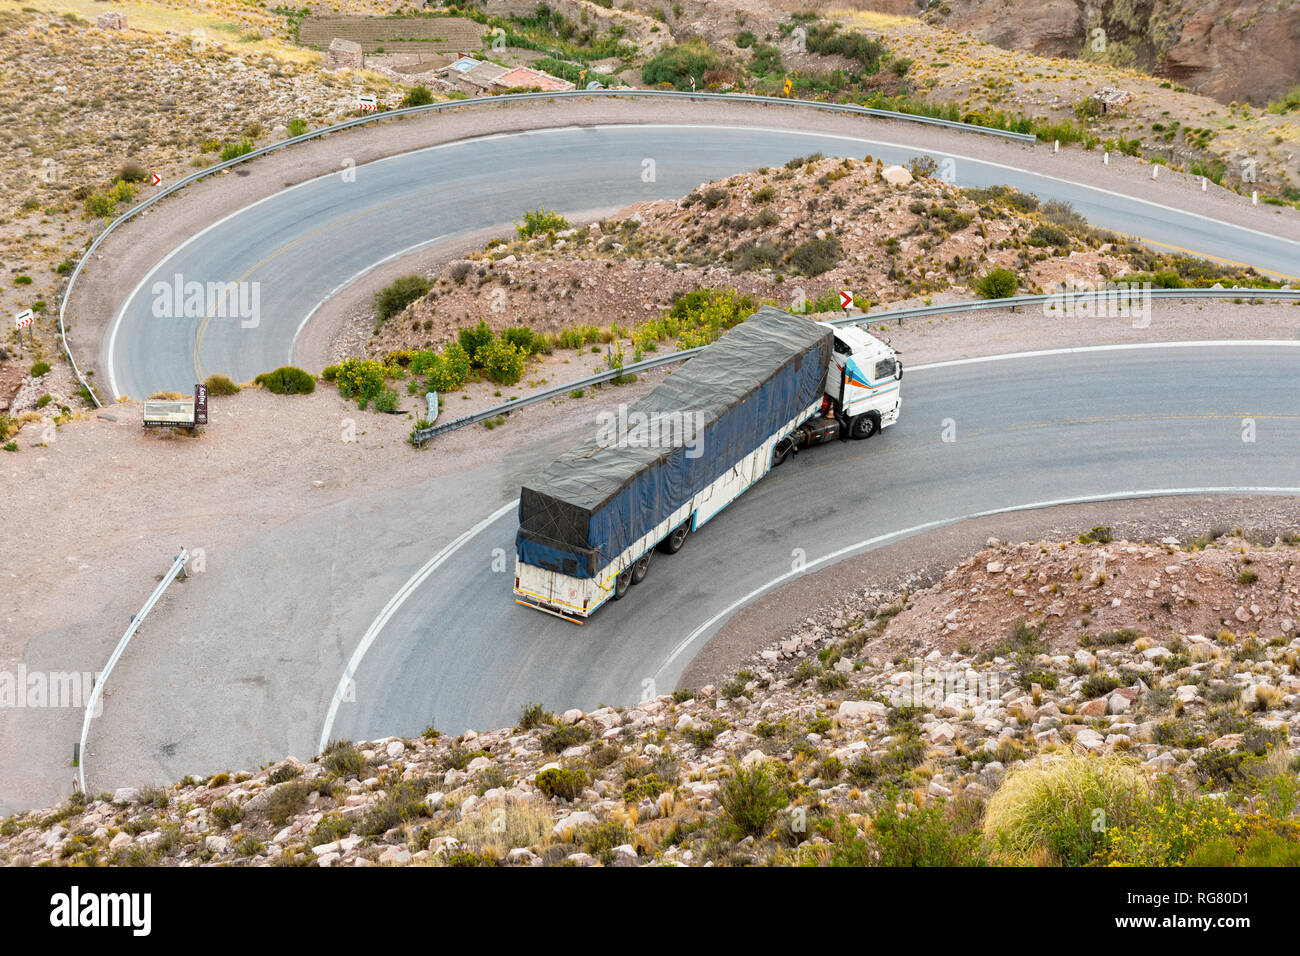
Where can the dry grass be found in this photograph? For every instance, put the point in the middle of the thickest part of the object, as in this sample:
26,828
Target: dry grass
1059,809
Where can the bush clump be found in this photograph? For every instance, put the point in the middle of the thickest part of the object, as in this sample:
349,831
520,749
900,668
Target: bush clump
287,380
502,362
997,284
220,385
540,221
562,782
1062,812
361,379
392,299
751,799
675,65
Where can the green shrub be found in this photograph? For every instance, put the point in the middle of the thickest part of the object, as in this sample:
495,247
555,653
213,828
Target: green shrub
534,715
539,222
386,401
297,127
914,836
523,339
751,798
285,801
220,385
675,65
403,802
564,736
104,204
475,340
815,256
1048,235
997,284
1064,810
417,96
392,299
502,362
361,379
287,380
235,150
343,759
132,172
224,815
562,782
766,60
330,373
39,369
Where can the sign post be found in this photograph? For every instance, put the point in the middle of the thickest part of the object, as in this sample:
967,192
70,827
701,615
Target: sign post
200,404
24,320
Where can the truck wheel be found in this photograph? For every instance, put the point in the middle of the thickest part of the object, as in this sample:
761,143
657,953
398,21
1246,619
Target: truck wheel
622,583
641,568
864,426
676,538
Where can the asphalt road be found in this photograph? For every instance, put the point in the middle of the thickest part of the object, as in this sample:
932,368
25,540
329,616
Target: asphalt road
459,653
303,244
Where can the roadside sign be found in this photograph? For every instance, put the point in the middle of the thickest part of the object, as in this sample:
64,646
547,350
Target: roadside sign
200,404
692,84
155,180
846,299
788,86
24,319
366,103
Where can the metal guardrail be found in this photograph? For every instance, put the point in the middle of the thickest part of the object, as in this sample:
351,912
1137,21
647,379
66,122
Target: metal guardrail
177,568
481,101
420,436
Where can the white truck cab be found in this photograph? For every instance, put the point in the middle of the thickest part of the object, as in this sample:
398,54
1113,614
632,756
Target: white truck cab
863,382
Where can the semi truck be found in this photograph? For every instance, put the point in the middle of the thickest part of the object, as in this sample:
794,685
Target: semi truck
774,384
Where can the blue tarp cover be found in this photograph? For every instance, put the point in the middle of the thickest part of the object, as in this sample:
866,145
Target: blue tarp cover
599,497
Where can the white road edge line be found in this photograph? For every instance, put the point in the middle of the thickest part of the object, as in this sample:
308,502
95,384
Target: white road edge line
398,599
293,345
395,602
117,318
871,543
1114,347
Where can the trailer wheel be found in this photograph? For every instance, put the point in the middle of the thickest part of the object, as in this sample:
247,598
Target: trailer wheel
676,538
641,568
864,426
621,584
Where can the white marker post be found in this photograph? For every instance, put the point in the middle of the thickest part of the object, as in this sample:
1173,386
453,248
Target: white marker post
1056,145
24,320
1105,158
1254,197
1155,172
1205,183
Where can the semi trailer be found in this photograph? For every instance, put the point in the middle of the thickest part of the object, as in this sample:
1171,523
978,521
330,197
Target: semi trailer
774,384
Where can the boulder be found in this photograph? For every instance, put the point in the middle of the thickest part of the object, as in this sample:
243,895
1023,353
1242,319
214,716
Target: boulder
896,175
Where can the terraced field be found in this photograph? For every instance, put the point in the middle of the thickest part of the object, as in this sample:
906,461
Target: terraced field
405,34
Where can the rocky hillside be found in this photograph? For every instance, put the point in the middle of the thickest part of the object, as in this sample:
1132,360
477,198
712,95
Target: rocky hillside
987,719
1234,51
792,235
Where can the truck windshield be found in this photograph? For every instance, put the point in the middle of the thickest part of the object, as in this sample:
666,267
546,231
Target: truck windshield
886,368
